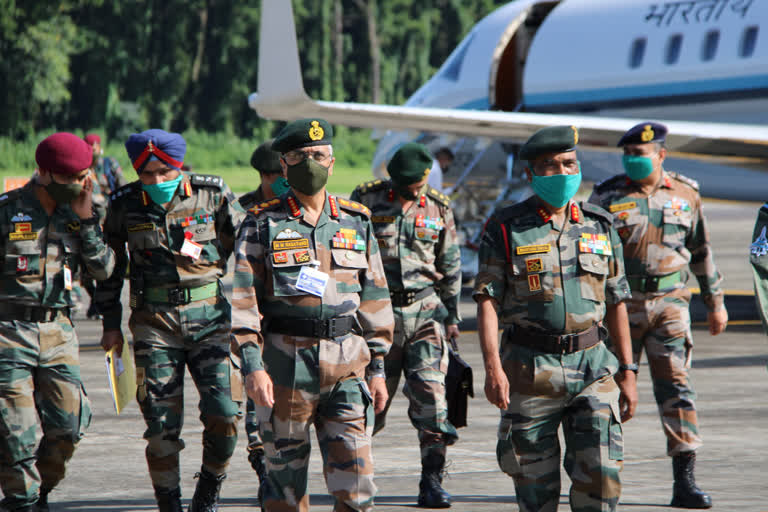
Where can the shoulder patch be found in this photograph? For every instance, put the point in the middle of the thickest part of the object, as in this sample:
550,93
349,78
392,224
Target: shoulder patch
352,206
438,196
267,205
688,181
596,211
125,190
206,180
372,186
610,182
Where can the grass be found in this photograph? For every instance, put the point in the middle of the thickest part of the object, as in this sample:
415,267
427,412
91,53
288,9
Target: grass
245,179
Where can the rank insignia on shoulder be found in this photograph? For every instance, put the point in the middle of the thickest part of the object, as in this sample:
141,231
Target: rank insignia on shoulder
622,206
532,249
354,206
21,217
595,243
760,246
534,283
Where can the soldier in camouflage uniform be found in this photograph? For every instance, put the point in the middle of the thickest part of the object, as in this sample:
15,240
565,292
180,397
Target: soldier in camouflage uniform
48,235
417,239
180,229
551,272
309,263
758,257
659,217
273,183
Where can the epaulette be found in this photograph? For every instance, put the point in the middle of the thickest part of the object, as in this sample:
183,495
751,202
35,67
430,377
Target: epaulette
125,190
438,196
595,210
352,206
609,182
513,212
6,197
685,179
372,186
266,205
206,180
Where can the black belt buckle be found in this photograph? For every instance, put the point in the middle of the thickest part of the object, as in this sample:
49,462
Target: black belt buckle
565,343
331,328
651,284
178,296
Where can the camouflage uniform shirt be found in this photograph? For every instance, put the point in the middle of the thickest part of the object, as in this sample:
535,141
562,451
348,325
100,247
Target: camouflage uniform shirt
418,247
758,257
663,233
252,198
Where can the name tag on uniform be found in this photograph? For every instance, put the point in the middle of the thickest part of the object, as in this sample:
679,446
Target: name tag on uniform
147,226
533,249
622,206
382,219
312,281
190,248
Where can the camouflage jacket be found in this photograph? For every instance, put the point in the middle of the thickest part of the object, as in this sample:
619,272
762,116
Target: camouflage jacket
758,257
203,209
275,244
546,279
37,250
419,247
664,232
109,174
252,198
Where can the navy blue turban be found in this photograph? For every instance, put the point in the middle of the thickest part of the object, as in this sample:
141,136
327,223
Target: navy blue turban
169,148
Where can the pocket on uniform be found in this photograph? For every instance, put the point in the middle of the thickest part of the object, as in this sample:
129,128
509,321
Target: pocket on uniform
349,265
615,434
367,405
236,389
143,237
141,384
85,414
593,271
533,277
22,258
677,223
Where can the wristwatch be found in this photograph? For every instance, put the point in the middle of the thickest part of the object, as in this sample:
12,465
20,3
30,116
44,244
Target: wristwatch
631,367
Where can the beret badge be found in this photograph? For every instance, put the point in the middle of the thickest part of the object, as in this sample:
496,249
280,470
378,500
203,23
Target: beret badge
647,134
316,132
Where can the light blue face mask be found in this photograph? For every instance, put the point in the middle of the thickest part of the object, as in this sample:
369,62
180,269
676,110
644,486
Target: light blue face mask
637,167
557,189
163,192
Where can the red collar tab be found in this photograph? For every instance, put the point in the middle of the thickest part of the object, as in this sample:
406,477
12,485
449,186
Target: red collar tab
543,214
144,198
391,195
334,207
575,215
422,201
294,206
151,149
187,189
667,181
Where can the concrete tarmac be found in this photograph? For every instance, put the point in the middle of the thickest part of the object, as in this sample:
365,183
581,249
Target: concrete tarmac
108,471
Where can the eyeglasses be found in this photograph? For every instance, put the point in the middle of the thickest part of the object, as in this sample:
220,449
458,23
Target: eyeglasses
295,156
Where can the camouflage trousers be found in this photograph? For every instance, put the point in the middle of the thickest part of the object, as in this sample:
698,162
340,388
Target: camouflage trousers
317,382
661,325
39,377
167,340
252,427
578,391
420,352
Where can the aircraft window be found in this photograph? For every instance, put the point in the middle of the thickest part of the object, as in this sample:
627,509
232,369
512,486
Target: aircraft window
709,49
674,45
637,52
748,42
453,68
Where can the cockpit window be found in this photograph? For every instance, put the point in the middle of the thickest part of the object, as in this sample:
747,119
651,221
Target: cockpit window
711,41
637,52
674,45
452,68
748,42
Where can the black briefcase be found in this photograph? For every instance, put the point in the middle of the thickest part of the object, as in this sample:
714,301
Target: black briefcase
458,386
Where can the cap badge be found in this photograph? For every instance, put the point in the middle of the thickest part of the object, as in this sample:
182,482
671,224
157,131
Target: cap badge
647,135
575,135
316,132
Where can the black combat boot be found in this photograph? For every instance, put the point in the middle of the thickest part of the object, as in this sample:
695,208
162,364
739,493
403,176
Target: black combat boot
685,493
431,492
259,465
206,498
168,500
42,501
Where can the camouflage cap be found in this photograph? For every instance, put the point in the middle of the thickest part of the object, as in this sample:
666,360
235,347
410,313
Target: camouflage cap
553,139
644,133
410,164
303,133
265,160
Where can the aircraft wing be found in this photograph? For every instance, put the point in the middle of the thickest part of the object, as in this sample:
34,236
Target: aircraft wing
281,96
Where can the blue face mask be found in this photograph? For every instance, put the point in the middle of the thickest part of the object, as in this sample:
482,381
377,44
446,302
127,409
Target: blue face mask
557,189
163,192
637,167
280,186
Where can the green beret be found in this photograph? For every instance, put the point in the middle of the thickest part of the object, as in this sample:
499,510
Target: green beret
410,164
553,139
303,133
265,160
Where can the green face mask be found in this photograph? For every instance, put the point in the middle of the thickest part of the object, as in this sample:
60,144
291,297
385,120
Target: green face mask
162,192
280,186
63,193
307,176
557,189
637,167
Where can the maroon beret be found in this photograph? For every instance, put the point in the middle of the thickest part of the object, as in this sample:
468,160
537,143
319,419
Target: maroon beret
91,138
64,153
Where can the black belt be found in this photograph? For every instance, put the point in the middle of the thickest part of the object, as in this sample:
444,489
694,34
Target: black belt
23,313
404,298
312,327
556,344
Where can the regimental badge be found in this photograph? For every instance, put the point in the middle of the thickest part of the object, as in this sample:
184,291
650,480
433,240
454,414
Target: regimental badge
532,249
21,217
420,233
22,263
647,135
575,135
623,216
348,238
678,204
73,227
534,265
288,234
316,132
595,243
301,257
534,282
280,257
23,227
622,206
760,246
